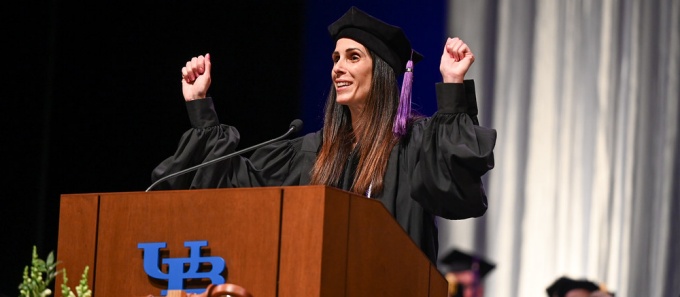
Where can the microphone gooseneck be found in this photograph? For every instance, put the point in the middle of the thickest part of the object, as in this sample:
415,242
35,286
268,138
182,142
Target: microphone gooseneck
295,126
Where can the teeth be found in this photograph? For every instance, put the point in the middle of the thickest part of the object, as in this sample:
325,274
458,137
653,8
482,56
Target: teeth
342,84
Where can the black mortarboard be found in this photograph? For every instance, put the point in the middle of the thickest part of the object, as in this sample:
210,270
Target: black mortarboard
457,260
562,285
387,41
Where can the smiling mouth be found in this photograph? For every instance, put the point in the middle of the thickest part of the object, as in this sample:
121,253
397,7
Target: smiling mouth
342,84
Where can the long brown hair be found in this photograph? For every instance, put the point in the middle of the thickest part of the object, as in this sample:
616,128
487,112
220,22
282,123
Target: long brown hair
374,126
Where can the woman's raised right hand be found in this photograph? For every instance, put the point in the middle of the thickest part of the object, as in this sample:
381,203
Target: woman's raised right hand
196,78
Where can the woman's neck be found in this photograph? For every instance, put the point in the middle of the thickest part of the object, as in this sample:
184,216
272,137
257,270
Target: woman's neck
355,112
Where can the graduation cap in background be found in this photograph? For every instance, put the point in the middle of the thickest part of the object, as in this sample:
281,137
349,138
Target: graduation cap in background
561,286
457,260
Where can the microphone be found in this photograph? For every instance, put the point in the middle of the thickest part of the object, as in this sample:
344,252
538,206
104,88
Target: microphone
295,125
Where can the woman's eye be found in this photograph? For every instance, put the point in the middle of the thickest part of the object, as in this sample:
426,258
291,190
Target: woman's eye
355,57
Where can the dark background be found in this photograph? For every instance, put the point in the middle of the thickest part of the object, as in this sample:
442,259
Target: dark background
92,102
92,98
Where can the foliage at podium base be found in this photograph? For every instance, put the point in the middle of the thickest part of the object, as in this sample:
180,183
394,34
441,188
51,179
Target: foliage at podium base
82,290
38,277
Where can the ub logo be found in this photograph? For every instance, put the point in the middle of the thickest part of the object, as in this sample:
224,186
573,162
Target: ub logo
178,272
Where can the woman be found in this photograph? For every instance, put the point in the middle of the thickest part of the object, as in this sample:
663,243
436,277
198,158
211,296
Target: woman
418,167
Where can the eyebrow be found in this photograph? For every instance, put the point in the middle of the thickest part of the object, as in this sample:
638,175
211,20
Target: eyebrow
349,50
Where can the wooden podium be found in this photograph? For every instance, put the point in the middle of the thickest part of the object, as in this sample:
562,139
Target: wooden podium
276,241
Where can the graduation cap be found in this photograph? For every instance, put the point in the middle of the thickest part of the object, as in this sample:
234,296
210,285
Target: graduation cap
457,260
387,41
390,44
561,286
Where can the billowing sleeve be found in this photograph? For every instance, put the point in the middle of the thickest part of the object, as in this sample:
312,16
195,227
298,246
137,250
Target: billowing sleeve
451,154
207,140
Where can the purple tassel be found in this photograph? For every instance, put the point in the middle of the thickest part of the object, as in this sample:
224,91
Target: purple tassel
404,111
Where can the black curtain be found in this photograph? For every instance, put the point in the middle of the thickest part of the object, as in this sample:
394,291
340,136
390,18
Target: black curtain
92,98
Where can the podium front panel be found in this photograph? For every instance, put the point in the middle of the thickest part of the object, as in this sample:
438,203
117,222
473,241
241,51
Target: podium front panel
241,226
275,241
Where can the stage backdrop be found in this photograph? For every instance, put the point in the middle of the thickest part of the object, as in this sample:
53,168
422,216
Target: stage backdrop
585,98
584,95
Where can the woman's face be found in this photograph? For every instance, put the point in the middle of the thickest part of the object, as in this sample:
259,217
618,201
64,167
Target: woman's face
352,73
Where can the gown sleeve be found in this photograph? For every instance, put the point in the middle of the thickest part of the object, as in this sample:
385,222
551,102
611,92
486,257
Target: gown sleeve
207,140
452,153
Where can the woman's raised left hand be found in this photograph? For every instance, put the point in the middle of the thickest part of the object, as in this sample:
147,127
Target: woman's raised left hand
456,60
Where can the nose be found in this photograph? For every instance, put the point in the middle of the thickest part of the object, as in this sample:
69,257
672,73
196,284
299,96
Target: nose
338,68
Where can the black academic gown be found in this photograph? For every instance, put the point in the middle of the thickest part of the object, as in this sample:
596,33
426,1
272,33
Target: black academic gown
434,171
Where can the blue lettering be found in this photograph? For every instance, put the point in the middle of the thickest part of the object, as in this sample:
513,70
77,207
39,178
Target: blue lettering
177,275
